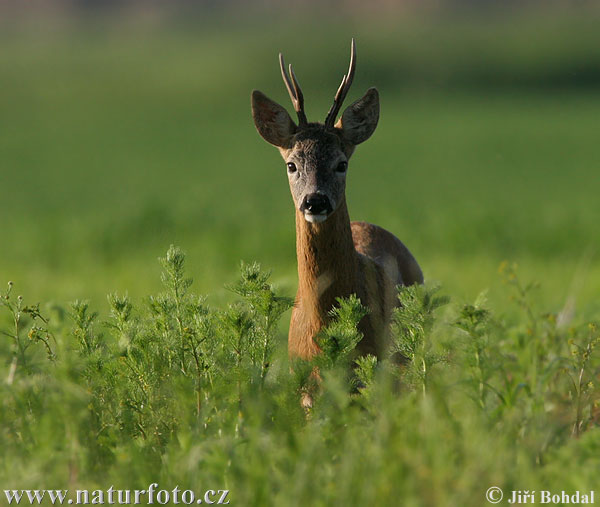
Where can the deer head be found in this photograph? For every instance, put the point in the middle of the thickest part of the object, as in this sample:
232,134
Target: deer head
316,154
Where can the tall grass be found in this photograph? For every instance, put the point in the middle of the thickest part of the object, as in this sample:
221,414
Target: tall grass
176,392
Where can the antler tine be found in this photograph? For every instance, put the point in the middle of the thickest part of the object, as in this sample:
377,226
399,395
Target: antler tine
343,89
286,80
299,97
294,90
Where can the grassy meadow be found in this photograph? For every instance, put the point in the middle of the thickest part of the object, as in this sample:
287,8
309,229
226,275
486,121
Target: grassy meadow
119,139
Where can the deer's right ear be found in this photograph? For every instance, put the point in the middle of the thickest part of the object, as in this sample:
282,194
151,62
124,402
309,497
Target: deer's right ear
272,121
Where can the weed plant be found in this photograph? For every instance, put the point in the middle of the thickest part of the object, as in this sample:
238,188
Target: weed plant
179,393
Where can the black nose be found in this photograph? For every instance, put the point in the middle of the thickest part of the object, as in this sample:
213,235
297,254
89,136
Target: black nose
316,204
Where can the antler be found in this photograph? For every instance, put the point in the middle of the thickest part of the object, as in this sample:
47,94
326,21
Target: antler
294,90
343,89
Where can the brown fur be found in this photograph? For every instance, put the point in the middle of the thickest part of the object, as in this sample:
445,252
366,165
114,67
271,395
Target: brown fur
338,258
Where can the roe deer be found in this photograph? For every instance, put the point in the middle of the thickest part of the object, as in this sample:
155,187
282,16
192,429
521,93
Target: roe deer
336,257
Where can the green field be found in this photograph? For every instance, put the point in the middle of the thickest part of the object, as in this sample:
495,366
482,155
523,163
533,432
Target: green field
119,139
116,144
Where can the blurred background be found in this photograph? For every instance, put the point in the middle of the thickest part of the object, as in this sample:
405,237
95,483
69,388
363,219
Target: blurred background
125,126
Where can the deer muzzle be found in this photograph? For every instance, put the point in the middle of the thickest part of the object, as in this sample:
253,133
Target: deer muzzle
316,207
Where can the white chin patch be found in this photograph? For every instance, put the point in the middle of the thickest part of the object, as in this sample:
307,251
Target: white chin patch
315,219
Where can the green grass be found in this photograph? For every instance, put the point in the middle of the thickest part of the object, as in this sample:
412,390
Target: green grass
185,395
118,140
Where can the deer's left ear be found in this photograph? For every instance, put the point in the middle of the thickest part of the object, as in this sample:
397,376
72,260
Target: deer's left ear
360,119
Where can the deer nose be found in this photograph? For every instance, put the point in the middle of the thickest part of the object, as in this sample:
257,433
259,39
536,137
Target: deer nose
317,204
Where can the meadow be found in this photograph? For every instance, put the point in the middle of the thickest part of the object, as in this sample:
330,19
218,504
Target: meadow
121,139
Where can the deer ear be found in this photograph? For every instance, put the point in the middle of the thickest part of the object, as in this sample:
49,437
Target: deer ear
272,121
360,119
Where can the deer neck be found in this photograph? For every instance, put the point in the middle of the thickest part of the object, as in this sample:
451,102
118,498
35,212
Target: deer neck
327,262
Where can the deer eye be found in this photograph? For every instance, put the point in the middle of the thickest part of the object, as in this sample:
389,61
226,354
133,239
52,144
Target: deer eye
342,166
291,167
